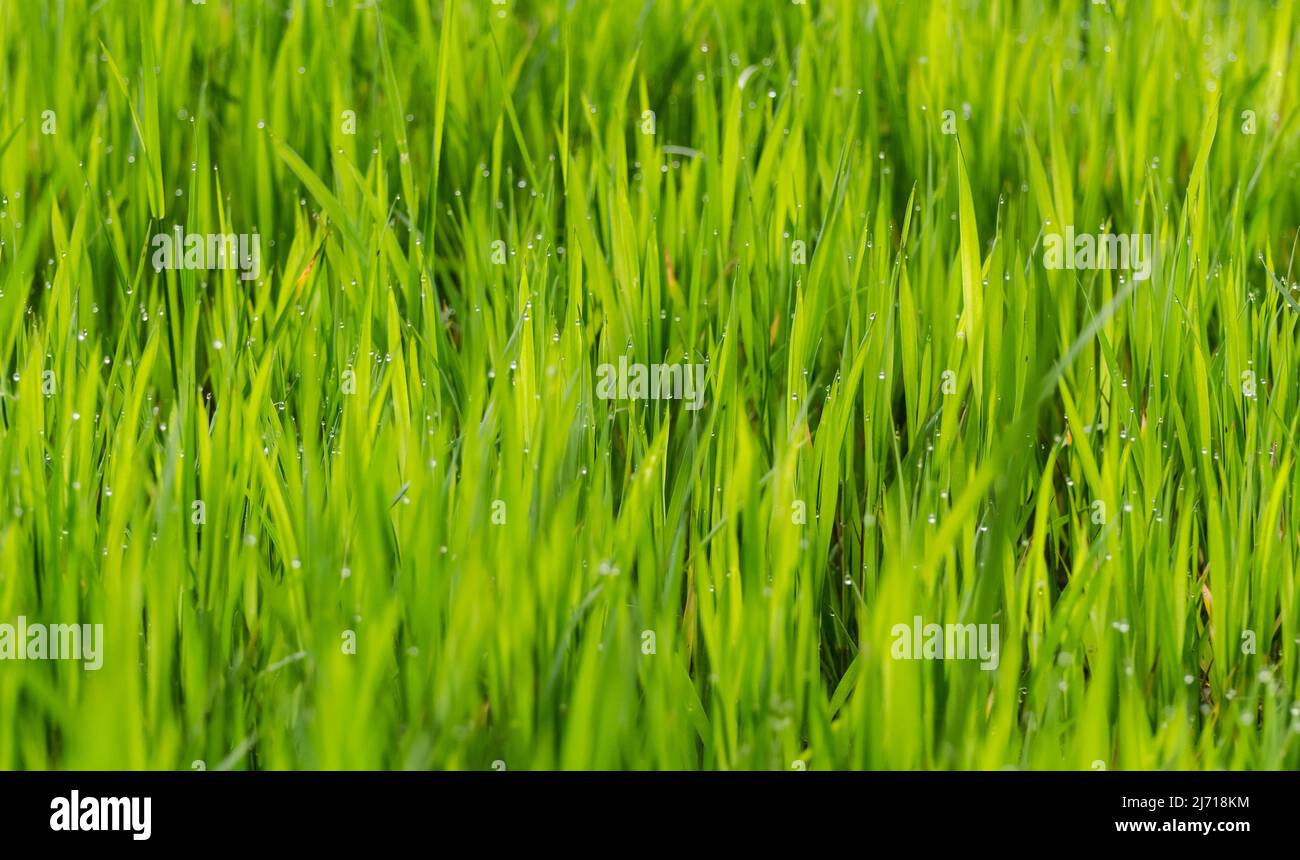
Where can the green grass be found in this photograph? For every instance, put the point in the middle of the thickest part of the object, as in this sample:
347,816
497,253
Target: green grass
943,410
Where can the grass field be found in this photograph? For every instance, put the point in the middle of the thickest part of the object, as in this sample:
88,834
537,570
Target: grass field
370,502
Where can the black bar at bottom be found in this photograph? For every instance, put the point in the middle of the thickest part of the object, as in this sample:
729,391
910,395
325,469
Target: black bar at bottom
332,810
